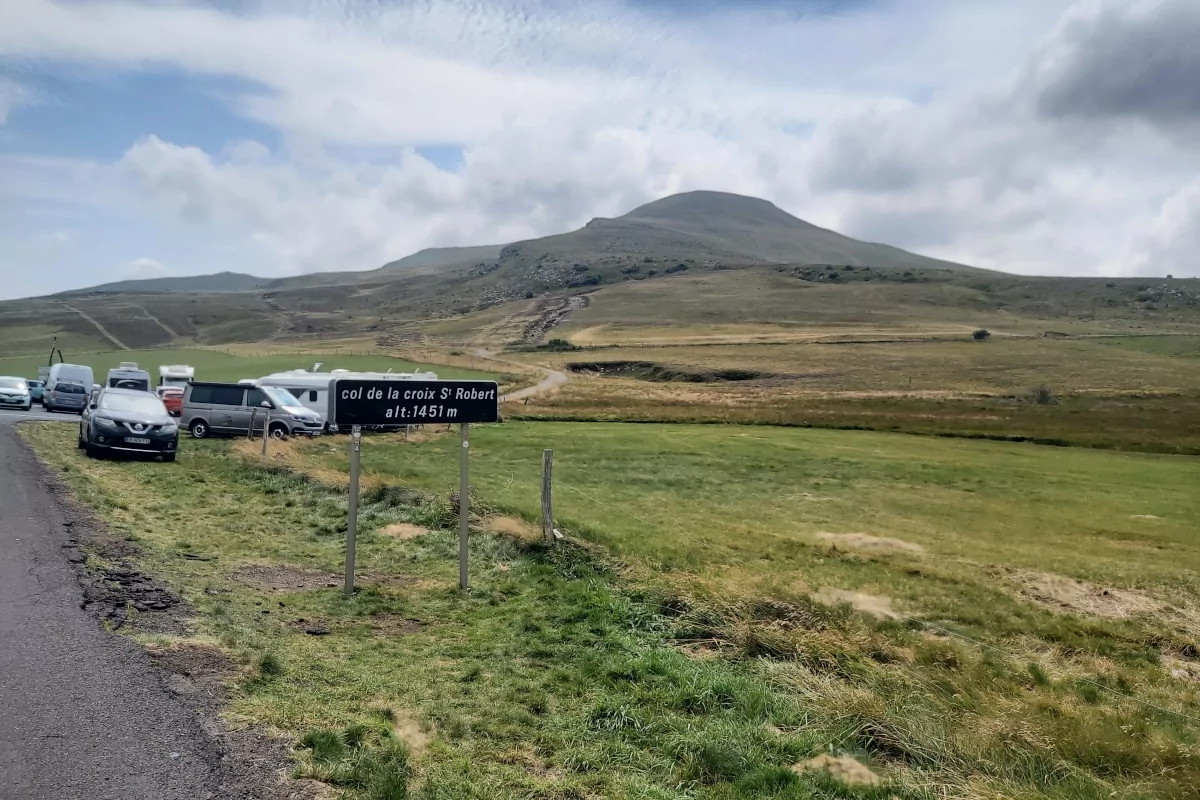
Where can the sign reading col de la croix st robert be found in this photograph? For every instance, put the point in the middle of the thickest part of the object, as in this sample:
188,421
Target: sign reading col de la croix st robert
404,402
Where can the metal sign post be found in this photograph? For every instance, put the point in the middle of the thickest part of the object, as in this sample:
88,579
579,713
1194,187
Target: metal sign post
396,403
464,505
352,515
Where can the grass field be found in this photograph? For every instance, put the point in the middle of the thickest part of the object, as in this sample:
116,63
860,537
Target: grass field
966,619
1129,392
213,365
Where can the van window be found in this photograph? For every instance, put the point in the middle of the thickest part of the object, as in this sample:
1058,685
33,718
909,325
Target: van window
312,396
296,393
217,395
255,398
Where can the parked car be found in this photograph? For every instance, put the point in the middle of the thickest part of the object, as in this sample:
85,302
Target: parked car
14,392
66,396
229,408
35,390
172,397
128,421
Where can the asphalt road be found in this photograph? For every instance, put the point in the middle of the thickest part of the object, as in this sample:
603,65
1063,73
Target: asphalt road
84,715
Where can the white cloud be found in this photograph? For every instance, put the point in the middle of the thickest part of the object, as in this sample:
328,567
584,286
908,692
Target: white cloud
924,124
146,268
13,94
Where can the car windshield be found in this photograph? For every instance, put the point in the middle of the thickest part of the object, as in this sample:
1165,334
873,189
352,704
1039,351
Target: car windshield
12,383
281,397
132,404
35,384
70,388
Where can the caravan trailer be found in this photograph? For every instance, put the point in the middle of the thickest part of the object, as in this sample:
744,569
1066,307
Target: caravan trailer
312,388
176,375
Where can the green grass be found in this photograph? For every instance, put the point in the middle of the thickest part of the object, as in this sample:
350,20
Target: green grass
1173,346
212,365
701,667
706,497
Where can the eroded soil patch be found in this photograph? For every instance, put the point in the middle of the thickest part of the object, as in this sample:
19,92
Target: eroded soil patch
513,526
874,605
1067,595
844,768
867,543
403,531
285,578
664,373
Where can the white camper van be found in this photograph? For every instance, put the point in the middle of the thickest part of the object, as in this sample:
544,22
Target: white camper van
312,388
127,375
176,375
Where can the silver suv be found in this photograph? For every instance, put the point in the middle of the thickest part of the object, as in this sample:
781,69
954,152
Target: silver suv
228,408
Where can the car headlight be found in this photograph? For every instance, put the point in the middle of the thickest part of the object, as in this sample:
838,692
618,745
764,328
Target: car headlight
170,427
105,422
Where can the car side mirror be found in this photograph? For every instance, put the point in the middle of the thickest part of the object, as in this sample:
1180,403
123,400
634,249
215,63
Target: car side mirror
92,406
266,404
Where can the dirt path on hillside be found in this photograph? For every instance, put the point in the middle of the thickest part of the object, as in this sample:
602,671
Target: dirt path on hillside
120,345
551,315
158,322
552,380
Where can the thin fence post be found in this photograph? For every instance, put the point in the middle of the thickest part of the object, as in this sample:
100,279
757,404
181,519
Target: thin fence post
464,506
266,434
547,495
250,430
352,510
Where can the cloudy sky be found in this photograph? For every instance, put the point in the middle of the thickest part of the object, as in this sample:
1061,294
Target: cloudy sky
286,136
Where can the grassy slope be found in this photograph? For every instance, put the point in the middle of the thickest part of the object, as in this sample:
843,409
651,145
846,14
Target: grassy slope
561,678
212,365
698,302
711,499
1138,393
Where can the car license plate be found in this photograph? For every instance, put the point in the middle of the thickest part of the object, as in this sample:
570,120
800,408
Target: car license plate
136,440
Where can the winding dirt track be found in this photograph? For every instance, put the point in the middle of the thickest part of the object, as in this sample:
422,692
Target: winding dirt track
552,380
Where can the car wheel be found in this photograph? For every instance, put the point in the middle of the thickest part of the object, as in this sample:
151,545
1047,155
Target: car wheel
168,458
28,407
92,452
198,429
279,431
82,444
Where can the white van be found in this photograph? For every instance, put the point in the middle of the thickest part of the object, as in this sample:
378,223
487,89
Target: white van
128,376
312,388
70,373
76,383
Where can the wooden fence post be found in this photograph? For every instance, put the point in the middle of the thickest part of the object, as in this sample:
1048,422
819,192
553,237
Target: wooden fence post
266,435
547,495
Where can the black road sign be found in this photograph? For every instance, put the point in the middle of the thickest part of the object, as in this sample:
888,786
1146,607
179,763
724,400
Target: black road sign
404,402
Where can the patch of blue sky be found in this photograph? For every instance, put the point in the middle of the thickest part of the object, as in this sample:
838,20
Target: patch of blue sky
98,114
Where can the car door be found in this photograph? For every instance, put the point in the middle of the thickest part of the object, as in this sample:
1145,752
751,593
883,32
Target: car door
254,410
228,409
85,418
